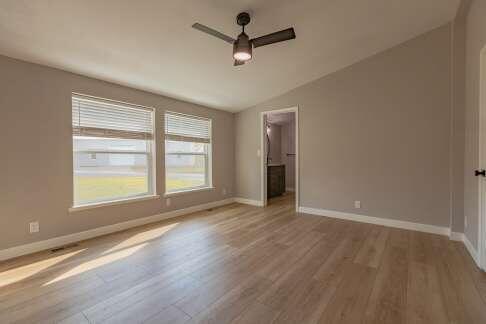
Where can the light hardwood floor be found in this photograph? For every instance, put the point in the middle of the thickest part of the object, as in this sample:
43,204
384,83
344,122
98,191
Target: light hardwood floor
244,264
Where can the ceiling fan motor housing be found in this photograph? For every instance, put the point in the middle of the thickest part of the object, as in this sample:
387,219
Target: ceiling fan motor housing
243,18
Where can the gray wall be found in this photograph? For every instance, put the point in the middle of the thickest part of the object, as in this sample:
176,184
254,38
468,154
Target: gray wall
458,118
378,131
475,42
36,160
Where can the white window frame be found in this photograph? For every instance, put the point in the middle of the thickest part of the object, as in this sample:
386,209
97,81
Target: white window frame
151,162
208,160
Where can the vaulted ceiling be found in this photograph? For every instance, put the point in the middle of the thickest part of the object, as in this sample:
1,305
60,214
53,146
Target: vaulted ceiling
150,45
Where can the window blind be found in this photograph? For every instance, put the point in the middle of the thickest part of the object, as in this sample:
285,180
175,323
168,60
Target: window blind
105,118
180,127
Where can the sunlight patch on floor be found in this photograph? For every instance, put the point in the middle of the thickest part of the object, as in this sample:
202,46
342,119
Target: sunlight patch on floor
97,262
142,237
17,274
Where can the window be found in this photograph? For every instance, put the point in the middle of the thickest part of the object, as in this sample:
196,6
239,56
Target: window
187,152
112,150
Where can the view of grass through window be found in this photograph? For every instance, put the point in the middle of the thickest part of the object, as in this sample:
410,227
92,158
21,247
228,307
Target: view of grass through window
185,165
110,169
93,188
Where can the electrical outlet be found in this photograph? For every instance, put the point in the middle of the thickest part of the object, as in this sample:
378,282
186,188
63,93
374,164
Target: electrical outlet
34,227
168,202
465,222
224,191
357,204
259,153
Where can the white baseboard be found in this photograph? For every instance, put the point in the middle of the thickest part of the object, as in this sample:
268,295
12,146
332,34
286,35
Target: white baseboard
76,237
290,189
378,221
460,237
472,250
456,236
245,201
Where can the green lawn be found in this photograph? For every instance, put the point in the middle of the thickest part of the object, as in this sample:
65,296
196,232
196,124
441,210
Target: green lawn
98,188
103,188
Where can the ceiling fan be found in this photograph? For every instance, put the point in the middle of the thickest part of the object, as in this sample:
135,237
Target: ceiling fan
243,45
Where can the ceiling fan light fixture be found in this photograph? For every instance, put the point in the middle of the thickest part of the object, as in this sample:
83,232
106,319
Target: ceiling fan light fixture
242,56
242,49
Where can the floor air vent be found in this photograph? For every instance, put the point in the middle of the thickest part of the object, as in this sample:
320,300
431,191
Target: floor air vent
65,247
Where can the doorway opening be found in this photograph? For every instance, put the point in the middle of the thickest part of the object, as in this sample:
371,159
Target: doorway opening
280,156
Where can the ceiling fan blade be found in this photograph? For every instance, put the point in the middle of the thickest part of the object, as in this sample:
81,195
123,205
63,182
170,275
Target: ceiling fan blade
213,32
238,63
272,38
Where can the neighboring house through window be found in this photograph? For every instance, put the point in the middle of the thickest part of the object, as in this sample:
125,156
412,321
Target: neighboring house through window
187,152
112,150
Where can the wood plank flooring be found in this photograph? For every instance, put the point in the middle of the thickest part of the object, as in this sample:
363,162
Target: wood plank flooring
244,264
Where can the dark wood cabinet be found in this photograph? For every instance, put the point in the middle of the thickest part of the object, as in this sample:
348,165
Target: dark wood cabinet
275,180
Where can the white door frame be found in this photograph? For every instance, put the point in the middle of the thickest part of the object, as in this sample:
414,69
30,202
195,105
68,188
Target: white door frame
263,154
482,162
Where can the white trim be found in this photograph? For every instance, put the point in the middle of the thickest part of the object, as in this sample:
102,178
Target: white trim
455,236
263,171
188,191
263,162
153,158
113,203
460,237
76,237
451,126
251,202
377,221
481,251
472,251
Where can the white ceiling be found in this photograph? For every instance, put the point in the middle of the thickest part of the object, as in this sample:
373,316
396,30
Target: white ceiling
150,45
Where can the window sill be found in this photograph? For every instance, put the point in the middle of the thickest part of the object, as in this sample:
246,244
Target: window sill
185,192
113,203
